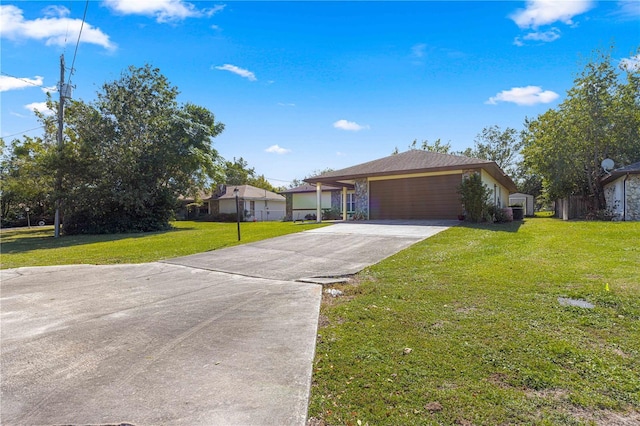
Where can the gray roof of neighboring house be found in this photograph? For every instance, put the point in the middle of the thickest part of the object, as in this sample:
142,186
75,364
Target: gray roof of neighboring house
413,161
309,188
616,173
249,192
631,168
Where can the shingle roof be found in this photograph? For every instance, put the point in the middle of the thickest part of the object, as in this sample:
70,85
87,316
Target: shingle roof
631,168
616,173
249,192
309,188
412,160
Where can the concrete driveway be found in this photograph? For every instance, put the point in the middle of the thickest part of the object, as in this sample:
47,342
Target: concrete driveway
224,337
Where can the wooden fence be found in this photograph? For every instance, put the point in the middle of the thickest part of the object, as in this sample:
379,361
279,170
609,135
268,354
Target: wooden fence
574,207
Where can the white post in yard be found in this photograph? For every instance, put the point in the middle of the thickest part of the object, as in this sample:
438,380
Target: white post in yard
344,203
318,202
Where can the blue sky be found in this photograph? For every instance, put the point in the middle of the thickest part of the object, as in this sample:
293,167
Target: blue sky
303,86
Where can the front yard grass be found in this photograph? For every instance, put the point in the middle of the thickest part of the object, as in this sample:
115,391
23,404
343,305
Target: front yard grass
465,328
38,247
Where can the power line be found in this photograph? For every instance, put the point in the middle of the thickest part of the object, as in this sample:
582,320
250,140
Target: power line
22,132
278,180
21,79
75,53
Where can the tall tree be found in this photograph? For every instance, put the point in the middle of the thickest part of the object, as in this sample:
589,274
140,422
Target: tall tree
128,155
238,172
600,118
501,146
425,145
261,182
436,146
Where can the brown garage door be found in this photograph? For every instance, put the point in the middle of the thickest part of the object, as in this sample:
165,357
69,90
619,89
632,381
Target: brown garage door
432,197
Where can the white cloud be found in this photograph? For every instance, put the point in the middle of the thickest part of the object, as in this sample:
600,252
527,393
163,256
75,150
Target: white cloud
544,36
529,95
56,29
13,83
277,150
162,10
282,104
39,106
349,125
545,12
629,9
237,70
54,11
631,64
215,9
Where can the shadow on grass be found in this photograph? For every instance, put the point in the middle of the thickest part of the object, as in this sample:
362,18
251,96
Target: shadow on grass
25,240
496,227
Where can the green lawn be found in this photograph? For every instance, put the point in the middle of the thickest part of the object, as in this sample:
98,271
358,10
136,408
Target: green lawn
465,328
38,247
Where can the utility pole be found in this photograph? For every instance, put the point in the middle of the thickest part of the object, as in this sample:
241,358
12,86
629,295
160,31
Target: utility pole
60,128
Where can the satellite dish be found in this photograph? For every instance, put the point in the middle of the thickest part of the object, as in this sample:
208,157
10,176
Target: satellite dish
607,164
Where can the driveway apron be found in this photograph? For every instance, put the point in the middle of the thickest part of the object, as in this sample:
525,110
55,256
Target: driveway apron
225,337
333,251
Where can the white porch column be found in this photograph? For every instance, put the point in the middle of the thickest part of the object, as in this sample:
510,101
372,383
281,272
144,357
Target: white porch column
344,203
318,202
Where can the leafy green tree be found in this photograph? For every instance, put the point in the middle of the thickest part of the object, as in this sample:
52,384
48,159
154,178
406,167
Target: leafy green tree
130,154
425,145
474,196
261,182
238,172
436,146
24,179
501,146
600,118
495,144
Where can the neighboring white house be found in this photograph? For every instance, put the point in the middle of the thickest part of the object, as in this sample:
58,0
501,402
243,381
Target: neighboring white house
254,204
622,192
525,200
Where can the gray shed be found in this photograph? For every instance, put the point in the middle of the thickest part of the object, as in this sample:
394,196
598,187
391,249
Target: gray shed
525,200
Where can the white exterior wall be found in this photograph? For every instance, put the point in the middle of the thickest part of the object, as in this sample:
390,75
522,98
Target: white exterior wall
228,205
264,211
524,199
307,200
613,194
304,203
501,194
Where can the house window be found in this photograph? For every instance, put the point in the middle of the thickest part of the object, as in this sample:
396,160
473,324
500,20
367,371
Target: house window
252,207
351,202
